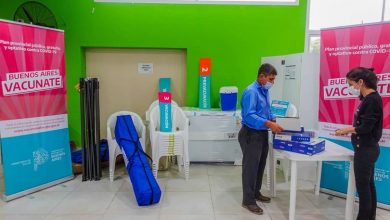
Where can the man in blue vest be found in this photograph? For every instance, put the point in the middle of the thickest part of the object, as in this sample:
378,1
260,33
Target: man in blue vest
257,119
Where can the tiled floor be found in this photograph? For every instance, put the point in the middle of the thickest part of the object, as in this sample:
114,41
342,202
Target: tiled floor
213,192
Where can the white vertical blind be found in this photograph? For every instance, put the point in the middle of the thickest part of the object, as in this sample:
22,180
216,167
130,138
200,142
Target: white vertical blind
333,13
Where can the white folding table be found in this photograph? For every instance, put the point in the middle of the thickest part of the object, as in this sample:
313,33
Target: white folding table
333,152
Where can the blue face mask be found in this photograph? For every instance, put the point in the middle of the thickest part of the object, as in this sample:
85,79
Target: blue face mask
268,85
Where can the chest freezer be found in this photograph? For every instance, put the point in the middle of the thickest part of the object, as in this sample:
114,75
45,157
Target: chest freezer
213,135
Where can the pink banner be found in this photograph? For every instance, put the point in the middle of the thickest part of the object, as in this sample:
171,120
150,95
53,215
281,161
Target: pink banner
205,67
341,50
165,97
32,72
33,117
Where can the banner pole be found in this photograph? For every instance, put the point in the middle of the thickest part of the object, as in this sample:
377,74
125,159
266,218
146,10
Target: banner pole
83,141
99,173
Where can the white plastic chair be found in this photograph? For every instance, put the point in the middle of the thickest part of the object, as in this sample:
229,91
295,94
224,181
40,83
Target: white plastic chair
147,120
170,143
113,147
154,104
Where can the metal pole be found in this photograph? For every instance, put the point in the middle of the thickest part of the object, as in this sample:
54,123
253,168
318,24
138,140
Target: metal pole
90,127
97,116
90,131
383,10
86,129
93,131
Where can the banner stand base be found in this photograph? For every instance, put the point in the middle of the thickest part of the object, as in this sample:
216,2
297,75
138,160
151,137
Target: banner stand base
35,189
343,195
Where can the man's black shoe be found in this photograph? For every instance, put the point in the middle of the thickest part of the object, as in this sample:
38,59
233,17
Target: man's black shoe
264,199
254,209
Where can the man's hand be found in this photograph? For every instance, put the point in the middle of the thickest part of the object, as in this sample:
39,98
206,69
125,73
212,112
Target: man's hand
274,126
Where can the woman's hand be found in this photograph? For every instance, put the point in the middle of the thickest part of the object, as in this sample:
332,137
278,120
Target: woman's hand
344,131
340,132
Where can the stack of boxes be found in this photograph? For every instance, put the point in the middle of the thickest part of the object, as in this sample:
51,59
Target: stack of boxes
303,142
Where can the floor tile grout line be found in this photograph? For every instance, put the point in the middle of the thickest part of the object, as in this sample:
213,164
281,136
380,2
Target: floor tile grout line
59,202
83,191
163,193
317,207
163,197
211,196
307,194
109,204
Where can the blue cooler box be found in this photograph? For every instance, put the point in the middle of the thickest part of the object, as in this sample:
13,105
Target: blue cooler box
228,96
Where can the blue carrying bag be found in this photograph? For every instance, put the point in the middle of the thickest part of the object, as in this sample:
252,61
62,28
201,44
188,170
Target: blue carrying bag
145,186
77,155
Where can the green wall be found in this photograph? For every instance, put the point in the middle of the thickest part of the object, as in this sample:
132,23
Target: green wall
234,37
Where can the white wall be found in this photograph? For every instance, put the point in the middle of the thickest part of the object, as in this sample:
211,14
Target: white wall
124,87
292,79
286,87
302,91
310,91
276,93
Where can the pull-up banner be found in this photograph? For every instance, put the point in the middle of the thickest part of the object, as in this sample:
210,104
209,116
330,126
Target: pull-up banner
164,84
204,83
33,116
341,50
165,103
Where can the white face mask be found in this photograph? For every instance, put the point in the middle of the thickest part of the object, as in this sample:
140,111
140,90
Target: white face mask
268,85
354,91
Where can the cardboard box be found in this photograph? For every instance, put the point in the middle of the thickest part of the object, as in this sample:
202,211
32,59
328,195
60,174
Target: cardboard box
295,136
289,123
309,148
282,145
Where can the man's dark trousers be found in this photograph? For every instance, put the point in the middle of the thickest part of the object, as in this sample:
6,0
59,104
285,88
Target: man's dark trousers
254,146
